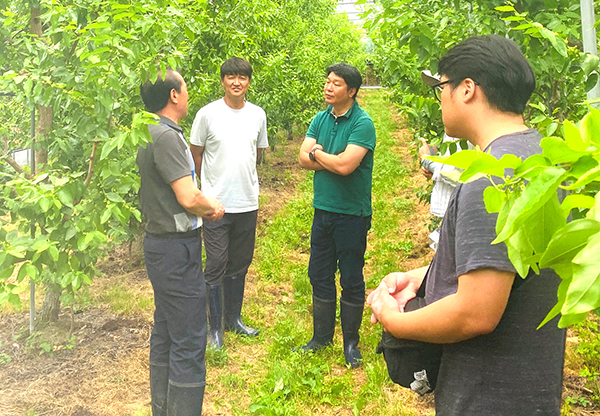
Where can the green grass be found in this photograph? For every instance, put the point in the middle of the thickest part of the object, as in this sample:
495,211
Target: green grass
295,383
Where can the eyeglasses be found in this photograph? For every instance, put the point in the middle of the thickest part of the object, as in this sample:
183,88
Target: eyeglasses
438,88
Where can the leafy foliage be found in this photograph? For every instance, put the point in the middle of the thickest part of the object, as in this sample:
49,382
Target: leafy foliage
532,220
85,64
411,36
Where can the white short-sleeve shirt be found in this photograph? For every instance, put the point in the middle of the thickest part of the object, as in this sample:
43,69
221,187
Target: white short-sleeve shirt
230,139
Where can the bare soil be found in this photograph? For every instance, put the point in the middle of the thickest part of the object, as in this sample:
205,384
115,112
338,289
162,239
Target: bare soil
103,370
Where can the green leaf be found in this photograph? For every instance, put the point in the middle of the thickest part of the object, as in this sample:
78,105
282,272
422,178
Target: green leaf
568,241
137,214
519,250
70,233
489,165
7,272
552,127
548,220
557,150
589,63
45,204
573,137
562,295
505,8
107,148
567,320
14,300
576,201
590,127
557,42
53,251
462,159
18,252
493,198
105,97
534,196
594,212
65,197
105,215
31,271
113,197
98,25
66,280
586,178
531,162
584,291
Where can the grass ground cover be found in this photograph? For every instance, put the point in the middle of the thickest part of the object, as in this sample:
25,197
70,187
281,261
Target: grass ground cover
101,368
287,382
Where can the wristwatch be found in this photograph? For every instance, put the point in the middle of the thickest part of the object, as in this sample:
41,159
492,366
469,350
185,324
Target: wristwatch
311,154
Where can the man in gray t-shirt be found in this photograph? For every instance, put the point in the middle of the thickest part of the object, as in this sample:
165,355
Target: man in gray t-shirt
494,361
173,207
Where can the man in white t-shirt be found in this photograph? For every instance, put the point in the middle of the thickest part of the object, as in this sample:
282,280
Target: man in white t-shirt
228,136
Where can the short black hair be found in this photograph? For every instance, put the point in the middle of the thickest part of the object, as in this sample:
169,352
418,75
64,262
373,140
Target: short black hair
236,66
156,95
497,65
350,74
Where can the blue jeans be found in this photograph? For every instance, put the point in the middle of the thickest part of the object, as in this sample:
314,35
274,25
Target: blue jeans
178,338
338,240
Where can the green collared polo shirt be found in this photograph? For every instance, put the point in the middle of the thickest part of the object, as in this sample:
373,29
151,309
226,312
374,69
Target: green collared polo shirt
336,193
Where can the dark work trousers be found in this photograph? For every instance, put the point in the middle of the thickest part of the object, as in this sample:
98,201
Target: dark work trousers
229,245
178,338
338,240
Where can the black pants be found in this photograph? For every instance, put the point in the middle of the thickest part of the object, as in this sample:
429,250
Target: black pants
338,240
229,245
178,338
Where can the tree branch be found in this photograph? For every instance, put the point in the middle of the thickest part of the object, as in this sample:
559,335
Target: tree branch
88,179
16,166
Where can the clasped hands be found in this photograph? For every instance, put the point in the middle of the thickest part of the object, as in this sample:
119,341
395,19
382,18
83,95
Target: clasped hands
218,210
392,294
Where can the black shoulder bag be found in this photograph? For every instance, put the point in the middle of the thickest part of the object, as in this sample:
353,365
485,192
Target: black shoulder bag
412,364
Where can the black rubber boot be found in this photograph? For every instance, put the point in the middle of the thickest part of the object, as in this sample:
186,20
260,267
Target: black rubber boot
323,324
185,401
159,385
351,317
233,288
215,316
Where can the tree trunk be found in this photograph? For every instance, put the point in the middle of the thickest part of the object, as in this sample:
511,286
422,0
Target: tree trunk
51,306
44,122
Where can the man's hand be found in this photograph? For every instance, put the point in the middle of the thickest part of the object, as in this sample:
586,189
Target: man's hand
395,290
316,147
427,173
424,151
219,211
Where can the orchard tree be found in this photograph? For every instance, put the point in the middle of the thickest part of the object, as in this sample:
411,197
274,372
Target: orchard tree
412,35
79,65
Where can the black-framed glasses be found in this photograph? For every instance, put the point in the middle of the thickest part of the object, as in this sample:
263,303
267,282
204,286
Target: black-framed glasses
438,88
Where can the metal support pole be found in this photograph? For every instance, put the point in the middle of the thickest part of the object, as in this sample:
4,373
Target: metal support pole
31,282
590,41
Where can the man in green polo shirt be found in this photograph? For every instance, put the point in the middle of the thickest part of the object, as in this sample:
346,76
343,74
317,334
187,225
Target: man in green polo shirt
339,147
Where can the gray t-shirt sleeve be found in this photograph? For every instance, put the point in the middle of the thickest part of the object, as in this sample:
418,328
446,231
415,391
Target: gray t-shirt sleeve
170,157
475,230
